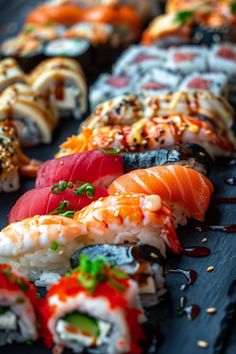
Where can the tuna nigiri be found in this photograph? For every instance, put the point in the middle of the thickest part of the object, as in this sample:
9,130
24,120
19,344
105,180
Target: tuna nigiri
185,190
101,169
130,218
43,201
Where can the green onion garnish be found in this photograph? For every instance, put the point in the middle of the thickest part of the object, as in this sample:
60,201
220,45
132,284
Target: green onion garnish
183,16
60,187
114,151
61,210
7,272
22,284
86,189
54,246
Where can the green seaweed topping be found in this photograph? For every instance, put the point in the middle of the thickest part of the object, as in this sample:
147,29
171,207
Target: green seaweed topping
233,7
3,310
22,284
92,272
184,16
54,246
61,210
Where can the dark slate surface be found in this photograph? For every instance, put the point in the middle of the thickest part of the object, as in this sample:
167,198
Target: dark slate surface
216,289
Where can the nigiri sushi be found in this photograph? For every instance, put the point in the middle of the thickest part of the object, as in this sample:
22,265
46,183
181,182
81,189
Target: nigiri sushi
18,307
44,201
102,168
130,218
155,133
41,245
185,190
94,308
143,263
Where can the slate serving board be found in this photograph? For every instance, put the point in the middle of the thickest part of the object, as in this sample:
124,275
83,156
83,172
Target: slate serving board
216,289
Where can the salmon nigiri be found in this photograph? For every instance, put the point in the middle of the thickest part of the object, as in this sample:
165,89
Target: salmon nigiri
185,190
130,218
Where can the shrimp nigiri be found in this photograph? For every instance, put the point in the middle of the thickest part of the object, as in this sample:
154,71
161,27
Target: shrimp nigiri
185,190
154,133
130,218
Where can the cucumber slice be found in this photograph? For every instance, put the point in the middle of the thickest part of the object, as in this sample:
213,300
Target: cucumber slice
85,323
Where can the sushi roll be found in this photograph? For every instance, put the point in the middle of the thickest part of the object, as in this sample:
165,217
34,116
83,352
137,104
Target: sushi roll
186,59
34,117
217,83
128,109
162,180
190,155
157,82
154,133
169,29
138,58
108,86
45,33
54,201
143,263
95,308
9,158
18,306
10,73
62,81
74,48
27,51
222,58
103,38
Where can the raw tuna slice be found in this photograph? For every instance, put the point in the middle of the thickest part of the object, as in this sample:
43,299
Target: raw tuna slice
94,167
42,202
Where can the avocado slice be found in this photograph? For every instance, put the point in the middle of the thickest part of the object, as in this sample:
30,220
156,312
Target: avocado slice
85,323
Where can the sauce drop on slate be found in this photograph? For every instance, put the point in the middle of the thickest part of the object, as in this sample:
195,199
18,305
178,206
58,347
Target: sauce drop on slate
225,200
231,181
198,251
190,275
222,228
191,311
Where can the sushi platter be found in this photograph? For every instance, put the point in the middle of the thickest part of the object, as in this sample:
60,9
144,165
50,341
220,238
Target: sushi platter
118,176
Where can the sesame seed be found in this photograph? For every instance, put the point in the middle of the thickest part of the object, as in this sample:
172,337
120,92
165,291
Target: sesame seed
154,255
60,252
204,240
211,310
210,269
202,344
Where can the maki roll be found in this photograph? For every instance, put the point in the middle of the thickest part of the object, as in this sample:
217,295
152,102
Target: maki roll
9,158
222,58
108,86
218,83
103,38
74,48
157,82
143,263
61,80
44,33
18,306
10,73
27,51
95,308
186,59
34,117
154,133
138,58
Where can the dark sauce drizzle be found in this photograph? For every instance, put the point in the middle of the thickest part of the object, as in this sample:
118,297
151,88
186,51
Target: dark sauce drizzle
222,228
225,200
196,252
190,275
190,311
